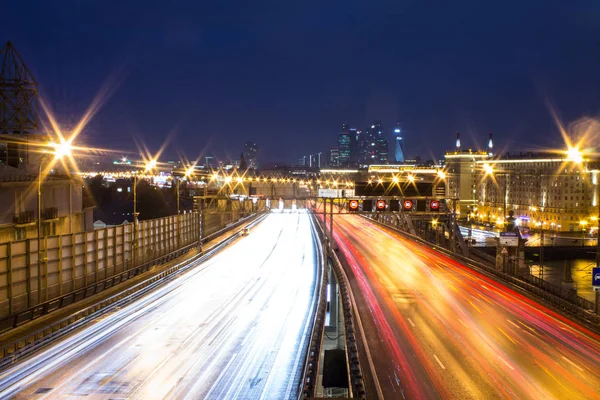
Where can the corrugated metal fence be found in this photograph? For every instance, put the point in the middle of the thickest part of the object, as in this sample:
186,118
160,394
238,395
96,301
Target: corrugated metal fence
73,261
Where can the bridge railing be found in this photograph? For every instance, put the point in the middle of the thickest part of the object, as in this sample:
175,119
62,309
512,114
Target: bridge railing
311,364
564,299
351,318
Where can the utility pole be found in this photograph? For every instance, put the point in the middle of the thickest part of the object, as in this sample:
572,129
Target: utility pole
331,224
453,225
542,251
135,218
504,204
177,195
39,232
598,251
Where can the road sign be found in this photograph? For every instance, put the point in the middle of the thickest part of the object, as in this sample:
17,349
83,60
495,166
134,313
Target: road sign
367,205
510,239
596,278
394,205
353,205
331,193
407,205
380,205
504,251
434,205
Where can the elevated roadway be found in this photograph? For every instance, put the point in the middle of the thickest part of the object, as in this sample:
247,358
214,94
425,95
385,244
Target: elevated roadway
439,330
234,327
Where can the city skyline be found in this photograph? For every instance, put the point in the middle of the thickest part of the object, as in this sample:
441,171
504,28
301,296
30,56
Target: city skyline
474,77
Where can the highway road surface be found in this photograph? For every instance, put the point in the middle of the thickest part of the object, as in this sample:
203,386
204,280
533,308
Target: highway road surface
439,330
235,327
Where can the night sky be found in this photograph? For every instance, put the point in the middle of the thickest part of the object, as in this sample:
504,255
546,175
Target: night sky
285,74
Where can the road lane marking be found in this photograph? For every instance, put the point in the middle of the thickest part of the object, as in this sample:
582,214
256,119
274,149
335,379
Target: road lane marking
505,362
508,337
477,308
513,324
412,323
572,363
438,361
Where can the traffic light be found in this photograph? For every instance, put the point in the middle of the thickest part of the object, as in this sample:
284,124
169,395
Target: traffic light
394,205
367,205
353,205
434,205
407,205
380,205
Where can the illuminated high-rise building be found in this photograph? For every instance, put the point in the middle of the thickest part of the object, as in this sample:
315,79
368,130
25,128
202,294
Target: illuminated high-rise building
376,145
348,149
334,157
250,154
398,145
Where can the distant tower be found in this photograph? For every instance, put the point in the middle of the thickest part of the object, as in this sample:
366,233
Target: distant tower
250,154
490,146
18,104
399,145
334,157
457,141
243,165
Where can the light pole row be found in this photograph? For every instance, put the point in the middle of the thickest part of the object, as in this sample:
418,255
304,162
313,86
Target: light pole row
59,150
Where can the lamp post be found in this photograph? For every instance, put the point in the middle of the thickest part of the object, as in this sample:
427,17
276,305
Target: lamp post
583,224
540,224
60,150
188,173
434,223
489,170
148,167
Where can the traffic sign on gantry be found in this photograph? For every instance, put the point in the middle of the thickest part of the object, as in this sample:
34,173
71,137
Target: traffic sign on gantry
596,278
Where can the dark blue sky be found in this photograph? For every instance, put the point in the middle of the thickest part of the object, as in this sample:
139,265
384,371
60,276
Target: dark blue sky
288,74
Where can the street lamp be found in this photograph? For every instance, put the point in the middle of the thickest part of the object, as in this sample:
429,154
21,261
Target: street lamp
574,155
583,224
489,170
147,168
61,149
540,224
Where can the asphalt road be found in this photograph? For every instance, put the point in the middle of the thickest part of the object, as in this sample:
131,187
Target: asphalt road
235,327
439,330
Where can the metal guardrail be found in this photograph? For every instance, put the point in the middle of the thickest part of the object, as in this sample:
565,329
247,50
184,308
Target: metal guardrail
574,305
52,305
350,313
311,363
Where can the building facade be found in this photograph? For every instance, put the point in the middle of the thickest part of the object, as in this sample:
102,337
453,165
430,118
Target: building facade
251,154
344,149
334,157
61,208
543,191
462,178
